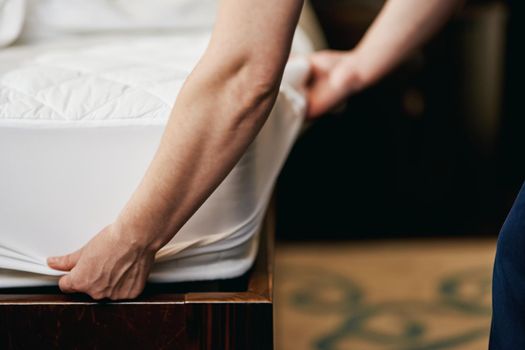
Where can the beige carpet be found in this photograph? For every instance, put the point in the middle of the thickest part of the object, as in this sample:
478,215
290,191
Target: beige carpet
402,295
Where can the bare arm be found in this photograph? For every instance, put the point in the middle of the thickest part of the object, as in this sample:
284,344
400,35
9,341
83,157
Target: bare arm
222,106
401,26
220,110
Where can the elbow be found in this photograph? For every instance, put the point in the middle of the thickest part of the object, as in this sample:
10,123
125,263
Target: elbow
260,83
244,86
254,91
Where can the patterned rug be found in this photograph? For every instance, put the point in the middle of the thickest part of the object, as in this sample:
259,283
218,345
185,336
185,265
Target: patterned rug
402,295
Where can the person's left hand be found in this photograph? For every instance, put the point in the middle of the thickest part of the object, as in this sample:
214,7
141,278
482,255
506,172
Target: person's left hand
335,75
108,266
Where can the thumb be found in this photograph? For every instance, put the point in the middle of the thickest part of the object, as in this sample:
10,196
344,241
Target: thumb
64,262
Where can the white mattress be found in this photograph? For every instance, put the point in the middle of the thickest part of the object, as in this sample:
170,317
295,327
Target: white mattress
79,123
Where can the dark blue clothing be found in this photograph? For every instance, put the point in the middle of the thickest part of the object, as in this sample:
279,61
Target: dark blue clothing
508,286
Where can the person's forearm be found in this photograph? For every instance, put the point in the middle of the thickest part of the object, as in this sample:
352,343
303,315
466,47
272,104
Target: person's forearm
218,113
212,123
401,27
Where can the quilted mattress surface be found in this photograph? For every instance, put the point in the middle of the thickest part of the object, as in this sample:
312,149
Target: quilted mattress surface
80,121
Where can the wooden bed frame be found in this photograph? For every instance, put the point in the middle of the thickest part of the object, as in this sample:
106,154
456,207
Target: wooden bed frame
211,315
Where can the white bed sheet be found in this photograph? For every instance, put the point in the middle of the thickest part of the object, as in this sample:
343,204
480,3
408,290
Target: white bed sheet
79,123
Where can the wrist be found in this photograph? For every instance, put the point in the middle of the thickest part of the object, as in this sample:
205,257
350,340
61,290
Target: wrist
348,77
360,77
140,232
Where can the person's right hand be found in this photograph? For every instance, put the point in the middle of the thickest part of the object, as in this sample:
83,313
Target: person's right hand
114,264
334,77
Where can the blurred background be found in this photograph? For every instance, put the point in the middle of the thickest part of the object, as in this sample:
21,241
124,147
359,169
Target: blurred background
404,191
435,149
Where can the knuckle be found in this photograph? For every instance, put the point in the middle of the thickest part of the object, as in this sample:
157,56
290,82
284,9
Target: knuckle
64,287
81,285
115,297
67,284
66,260
133,294
96,295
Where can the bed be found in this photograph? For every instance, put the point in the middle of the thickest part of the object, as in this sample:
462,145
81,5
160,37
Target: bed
73,105
83,105
79,123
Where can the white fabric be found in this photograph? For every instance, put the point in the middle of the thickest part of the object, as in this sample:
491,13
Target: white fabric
58,17
79,123
225,263
12,14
